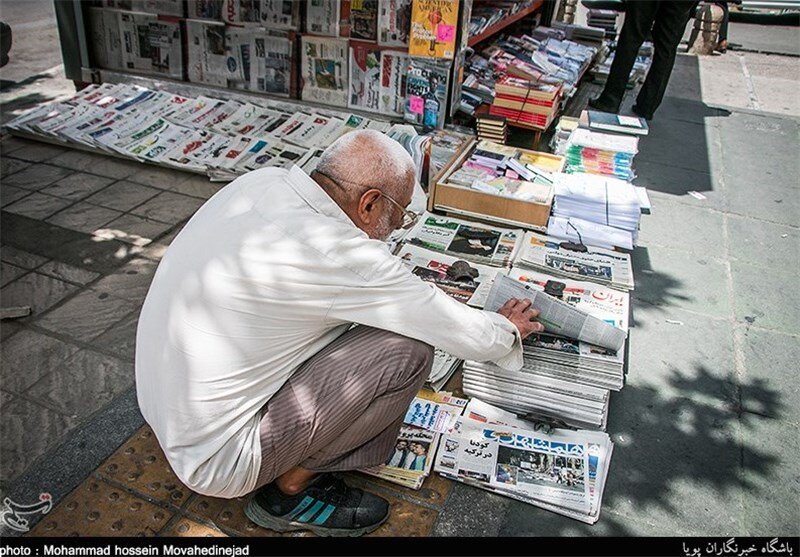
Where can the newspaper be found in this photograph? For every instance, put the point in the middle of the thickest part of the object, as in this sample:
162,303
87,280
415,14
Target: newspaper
557,317
271,64
324,70
480,243
393,82
563,471
205,42
596,264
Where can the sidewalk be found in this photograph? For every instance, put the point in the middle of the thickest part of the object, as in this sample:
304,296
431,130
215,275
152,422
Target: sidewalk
705,430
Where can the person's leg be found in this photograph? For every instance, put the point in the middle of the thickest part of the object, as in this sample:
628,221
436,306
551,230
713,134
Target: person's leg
722,40
342,410
638,21
670,23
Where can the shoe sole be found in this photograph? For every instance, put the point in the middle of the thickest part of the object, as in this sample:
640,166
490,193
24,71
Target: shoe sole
266,520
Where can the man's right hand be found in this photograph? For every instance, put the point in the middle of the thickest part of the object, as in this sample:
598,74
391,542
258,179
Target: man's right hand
521,314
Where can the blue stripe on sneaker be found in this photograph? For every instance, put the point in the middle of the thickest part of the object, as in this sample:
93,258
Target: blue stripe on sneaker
306,516
323,516
303,505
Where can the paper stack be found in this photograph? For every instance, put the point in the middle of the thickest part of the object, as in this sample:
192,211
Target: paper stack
601,153
492,128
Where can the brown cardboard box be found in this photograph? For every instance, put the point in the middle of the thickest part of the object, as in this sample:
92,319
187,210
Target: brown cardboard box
461,200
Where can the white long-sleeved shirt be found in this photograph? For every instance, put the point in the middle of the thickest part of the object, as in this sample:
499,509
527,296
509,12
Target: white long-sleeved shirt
265,274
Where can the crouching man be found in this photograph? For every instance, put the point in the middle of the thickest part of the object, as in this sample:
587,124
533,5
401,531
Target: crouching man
248,367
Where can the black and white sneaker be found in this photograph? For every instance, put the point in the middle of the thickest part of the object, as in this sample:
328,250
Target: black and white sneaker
328,507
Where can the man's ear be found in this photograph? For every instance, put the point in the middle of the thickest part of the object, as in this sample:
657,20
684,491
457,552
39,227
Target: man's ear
367,206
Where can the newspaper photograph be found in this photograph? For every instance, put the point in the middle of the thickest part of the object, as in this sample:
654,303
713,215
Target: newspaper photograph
557,317
596,264
472,241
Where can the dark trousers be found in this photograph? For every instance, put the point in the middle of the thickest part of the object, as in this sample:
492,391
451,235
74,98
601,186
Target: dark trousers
667,21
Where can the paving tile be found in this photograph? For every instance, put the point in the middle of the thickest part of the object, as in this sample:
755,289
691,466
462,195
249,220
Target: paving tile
77,186
196,186
771,493
5,398
87,315
227,515
9,272
770,387
38,206
100,165
140,465
763,298
123,196
188,528
526,520
434,490
684,142
133,230
28,431
674,278
10,166
83,384
120,338
67,272
675,183
10,194
682,227
131,281
8,329
37,177
37,152
158,177
21,258
169,207
762,243
9,144
38,291
84,217
28,356
97,508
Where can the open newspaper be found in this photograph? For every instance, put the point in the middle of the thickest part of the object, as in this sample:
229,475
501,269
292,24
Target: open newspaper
428,416
596,264
562,471
472,241
557,317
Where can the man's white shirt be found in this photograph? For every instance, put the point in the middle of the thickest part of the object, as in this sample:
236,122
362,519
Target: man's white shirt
266,273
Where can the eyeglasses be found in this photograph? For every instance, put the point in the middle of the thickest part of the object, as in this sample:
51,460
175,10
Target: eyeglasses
409,217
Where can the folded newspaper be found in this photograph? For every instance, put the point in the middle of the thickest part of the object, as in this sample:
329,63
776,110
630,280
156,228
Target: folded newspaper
562,471
557,317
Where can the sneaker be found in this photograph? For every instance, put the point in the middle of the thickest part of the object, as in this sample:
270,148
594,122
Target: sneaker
328,507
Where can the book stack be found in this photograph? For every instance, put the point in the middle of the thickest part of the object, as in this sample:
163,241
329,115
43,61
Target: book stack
601,153
603,19
492,128
530,103
617,123
564,128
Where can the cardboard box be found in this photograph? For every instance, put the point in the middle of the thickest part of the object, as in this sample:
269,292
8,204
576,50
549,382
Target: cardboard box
461,200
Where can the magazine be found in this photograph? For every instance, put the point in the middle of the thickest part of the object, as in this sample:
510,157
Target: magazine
426,92
433,28
364,20
472,241
394,22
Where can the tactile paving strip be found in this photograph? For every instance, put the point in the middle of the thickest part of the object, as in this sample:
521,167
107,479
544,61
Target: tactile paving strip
140,465
228,515
97,508
188,528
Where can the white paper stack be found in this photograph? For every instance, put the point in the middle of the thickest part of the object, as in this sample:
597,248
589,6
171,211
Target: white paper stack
601,153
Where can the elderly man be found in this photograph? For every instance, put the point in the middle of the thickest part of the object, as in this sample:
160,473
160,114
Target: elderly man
248,367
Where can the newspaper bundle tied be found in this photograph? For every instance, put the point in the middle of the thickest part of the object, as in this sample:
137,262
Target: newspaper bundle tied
557,317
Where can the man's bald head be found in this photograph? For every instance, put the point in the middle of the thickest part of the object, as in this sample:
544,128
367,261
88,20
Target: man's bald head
356,168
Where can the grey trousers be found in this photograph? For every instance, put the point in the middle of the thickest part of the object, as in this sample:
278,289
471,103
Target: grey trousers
343,408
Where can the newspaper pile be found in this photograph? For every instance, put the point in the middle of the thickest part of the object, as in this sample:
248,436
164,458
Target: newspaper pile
569,369
429,416
563,471
478,243
223,139
548,255
470,287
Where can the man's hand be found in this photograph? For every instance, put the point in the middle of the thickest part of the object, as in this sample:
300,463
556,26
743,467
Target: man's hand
521,314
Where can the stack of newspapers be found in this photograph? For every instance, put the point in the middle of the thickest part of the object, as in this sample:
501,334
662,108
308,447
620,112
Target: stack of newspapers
569,369
428,416
563,471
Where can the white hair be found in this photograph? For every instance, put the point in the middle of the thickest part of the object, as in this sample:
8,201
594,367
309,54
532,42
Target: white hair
365,159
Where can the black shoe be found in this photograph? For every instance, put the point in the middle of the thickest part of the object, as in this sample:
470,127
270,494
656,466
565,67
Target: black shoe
598,104
640,113
328,507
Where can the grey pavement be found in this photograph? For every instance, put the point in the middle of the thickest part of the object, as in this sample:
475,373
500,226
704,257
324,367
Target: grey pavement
705,430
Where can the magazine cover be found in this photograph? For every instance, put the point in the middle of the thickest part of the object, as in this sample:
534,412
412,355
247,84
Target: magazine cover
364,20
206,52
324,68
393,82
394,22
322,17
365,78
426,92
433,28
